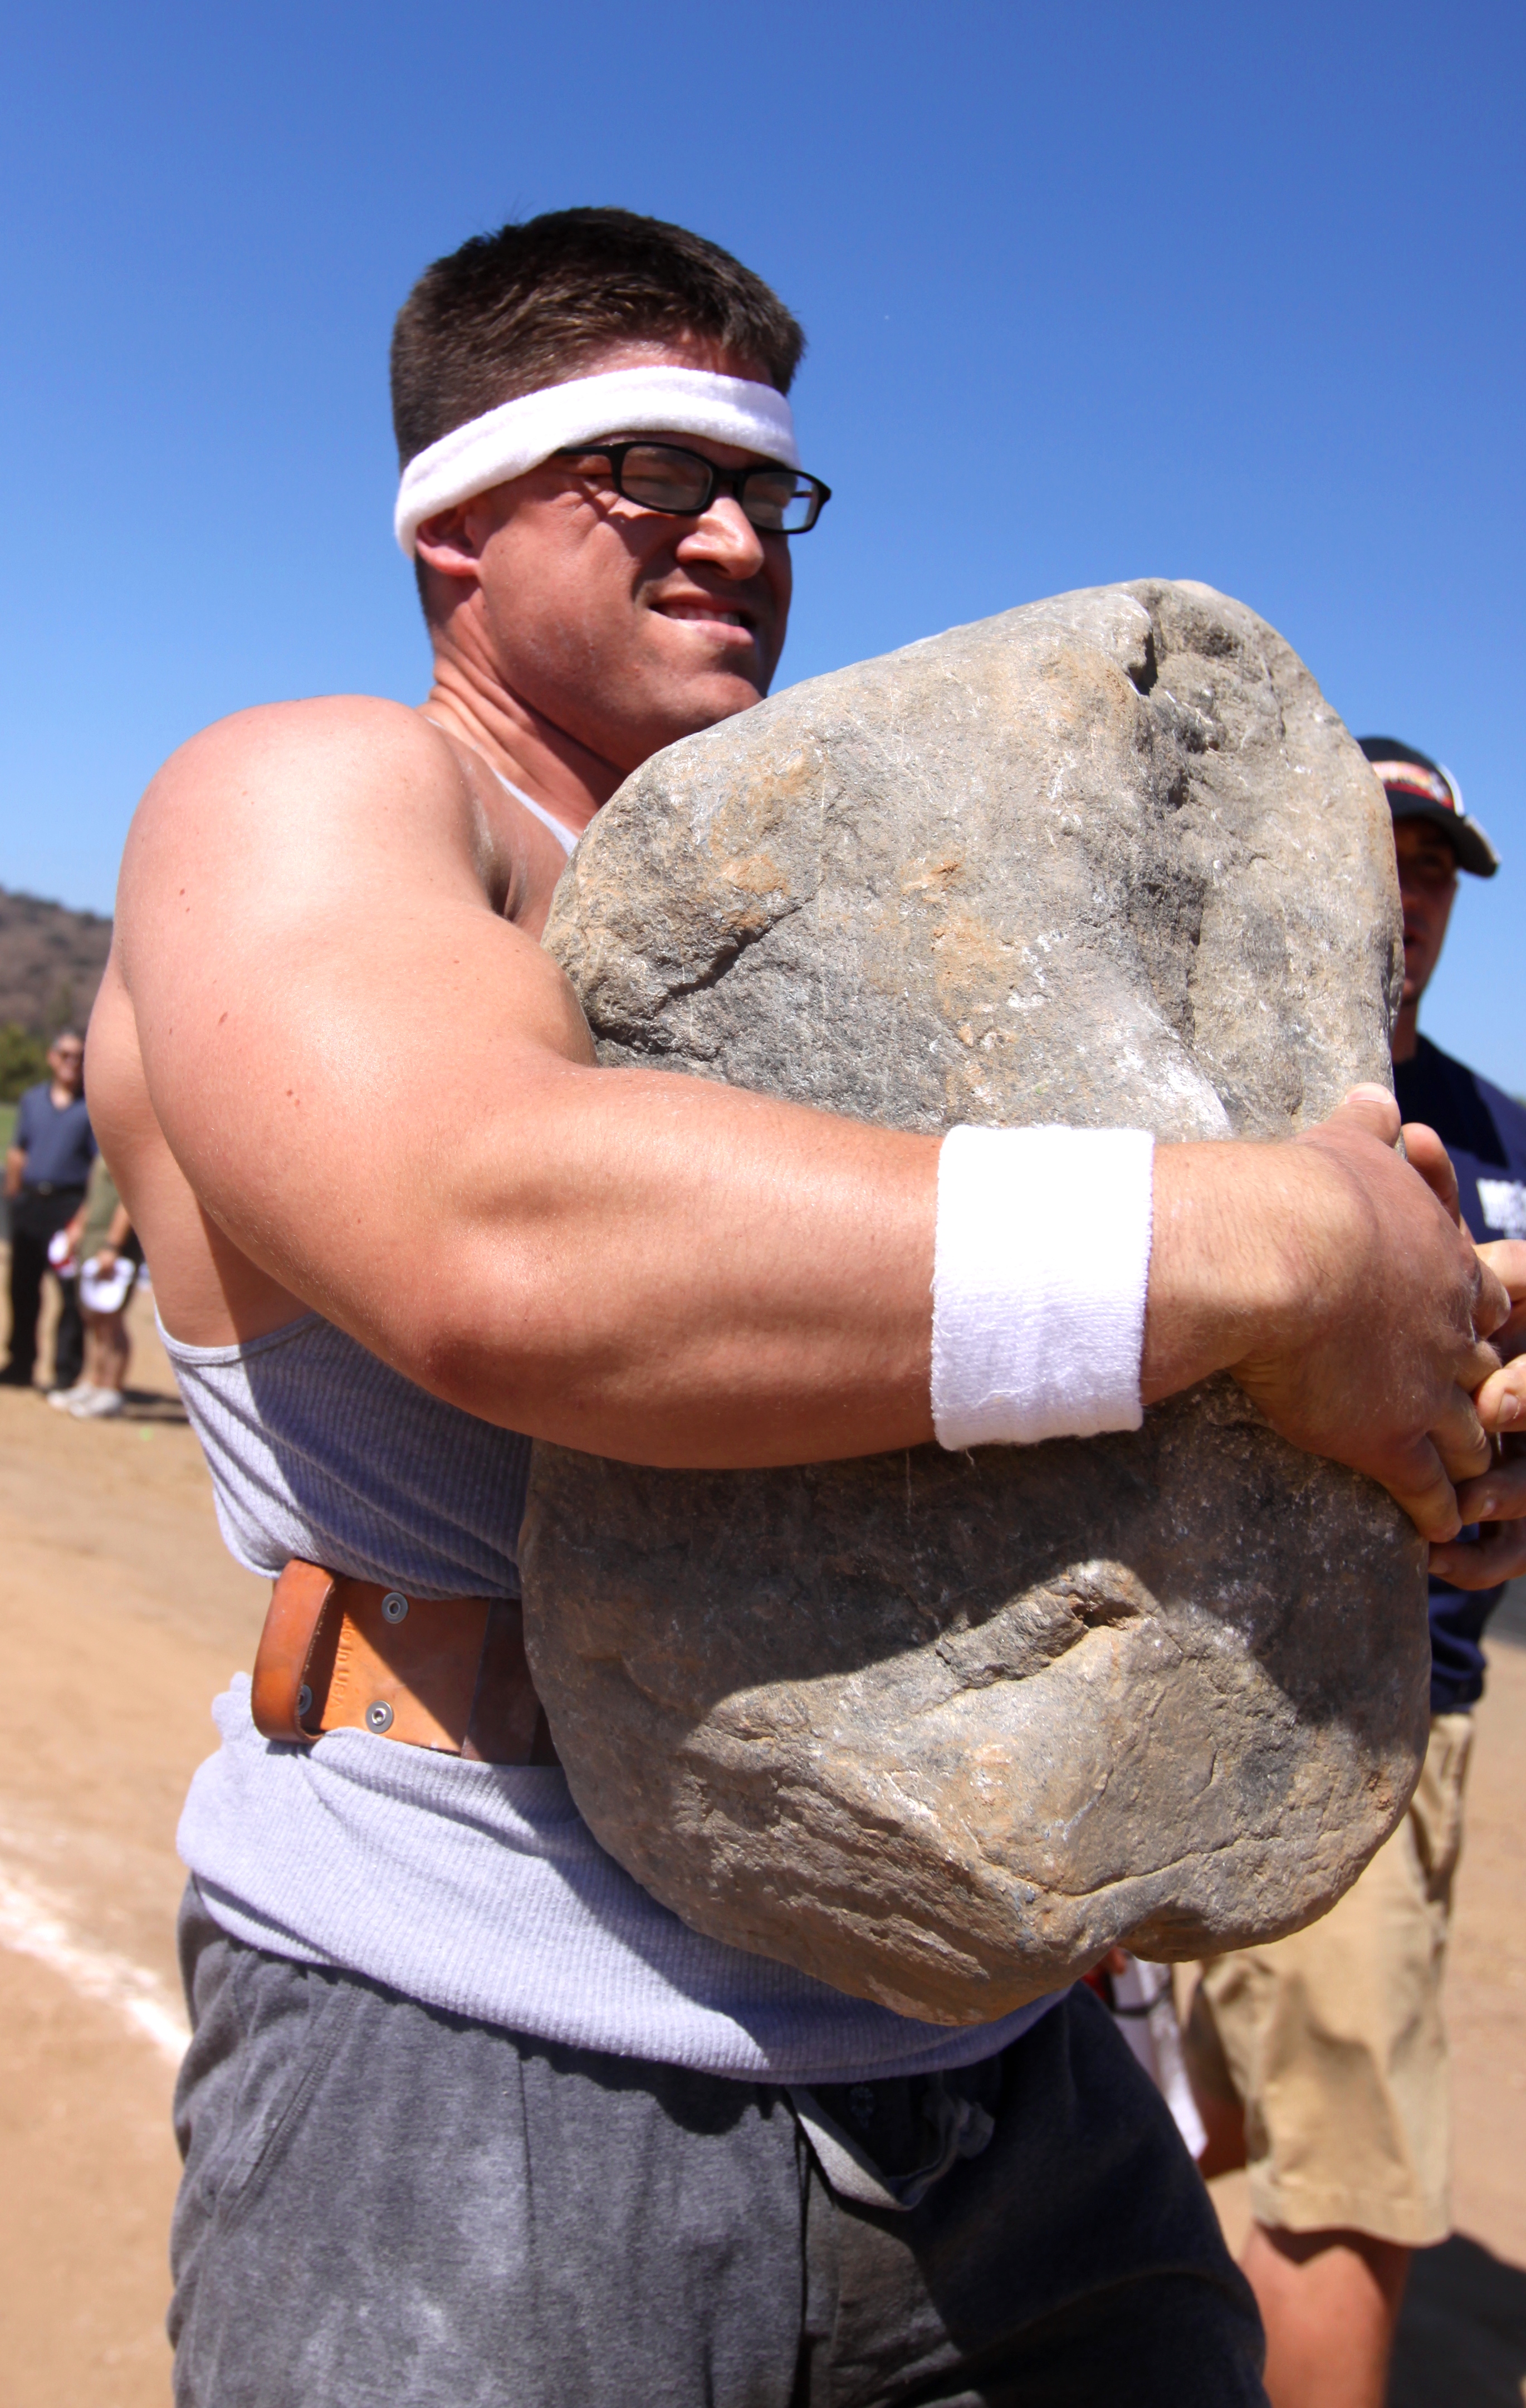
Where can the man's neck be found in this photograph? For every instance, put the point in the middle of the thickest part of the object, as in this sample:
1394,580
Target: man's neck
553,768
60,1096
1407,1032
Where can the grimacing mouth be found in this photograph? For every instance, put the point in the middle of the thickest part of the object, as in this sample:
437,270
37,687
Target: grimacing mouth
706,606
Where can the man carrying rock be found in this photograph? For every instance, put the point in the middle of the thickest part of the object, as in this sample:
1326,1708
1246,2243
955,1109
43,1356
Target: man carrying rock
1323,2058
467,2117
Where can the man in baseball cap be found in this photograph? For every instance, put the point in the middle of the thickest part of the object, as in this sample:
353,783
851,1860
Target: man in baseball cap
1321,2062
1419,788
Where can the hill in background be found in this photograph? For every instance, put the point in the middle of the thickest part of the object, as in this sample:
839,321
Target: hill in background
50,965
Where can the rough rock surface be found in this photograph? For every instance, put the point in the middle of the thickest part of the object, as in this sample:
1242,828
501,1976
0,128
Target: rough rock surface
941,1728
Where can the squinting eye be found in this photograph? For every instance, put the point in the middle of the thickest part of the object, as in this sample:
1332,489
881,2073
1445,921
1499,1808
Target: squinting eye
664,481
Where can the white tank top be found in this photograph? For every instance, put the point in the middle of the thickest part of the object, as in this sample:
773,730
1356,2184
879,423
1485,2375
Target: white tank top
563,836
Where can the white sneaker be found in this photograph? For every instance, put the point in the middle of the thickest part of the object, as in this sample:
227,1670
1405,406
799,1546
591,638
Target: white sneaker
97,1405
68,1400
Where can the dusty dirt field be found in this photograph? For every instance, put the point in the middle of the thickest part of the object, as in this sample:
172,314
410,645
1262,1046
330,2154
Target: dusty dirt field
120,1617
1462,2340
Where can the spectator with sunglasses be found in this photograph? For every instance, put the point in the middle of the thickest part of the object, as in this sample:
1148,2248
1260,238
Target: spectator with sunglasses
47,1166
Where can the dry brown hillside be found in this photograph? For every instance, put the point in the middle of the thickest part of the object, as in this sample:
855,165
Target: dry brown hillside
50,963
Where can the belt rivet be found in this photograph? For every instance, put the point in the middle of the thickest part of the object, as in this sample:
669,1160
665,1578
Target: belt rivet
379,1716
393,1607
303,1702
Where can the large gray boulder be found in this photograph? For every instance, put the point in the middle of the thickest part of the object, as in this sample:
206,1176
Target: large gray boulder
942,1728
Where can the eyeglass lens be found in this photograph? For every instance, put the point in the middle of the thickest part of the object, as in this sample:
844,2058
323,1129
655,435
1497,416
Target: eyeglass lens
775,500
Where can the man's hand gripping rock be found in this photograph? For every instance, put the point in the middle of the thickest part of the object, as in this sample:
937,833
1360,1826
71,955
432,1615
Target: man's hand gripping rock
1355,1311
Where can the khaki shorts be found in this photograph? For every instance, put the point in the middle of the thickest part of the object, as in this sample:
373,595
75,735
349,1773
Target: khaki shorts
1333,2039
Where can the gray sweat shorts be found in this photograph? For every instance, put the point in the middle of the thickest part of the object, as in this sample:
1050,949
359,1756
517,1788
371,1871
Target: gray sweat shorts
385,2204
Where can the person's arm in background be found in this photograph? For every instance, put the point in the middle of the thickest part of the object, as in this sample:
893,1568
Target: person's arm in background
116,1238
16,1153
1496,1500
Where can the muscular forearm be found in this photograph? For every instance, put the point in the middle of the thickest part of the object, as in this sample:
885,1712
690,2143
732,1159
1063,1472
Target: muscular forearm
674,1273
669,1271
15,1169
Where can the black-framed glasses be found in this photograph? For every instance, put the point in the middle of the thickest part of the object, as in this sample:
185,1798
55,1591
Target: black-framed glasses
683,485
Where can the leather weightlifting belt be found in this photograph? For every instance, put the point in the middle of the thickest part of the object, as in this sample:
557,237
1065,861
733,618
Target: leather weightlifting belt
447,1673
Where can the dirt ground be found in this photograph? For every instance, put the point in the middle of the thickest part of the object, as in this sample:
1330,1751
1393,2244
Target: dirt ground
121,1616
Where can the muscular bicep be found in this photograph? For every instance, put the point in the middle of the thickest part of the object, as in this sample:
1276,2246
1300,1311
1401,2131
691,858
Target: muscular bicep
337,1024
384,1097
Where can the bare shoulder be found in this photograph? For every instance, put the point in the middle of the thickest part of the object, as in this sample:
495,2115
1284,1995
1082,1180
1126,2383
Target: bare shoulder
294,799
312,954
349,732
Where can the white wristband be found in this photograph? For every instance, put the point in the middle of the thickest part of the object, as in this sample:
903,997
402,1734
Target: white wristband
1039,1272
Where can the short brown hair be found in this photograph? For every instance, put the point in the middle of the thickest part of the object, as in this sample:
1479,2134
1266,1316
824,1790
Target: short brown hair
526,306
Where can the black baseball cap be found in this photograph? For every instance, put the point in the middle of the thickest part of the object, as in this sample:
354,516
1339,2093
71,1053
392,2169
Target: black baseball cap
1419,788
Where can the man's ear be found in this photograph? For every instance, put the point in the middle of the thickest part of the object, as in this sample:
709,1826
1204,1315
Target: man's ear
451,543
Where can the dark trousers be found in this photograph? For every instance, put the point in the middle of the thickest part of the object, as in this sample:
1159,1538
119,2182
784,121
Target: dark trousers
34,1221
384,2203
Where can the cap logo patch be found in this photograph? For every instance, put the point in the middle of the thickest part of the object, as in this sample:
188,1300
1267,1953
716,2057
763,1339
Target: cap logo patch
1411,779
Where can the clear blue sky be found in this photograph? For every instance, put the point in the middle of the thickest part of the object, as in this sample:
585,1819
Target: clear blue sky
1093,291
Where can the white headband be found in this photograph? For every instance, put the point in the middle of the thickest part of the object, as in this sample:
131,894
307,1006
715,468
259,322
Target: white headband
518,435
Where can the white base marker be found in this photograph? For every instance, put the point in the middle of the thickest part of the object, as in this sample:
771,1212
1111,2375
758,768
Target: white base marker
33,1925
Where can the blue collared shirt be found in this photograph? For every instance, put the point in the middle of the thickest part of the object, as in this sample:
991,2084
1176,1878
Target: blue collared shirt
59,1146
